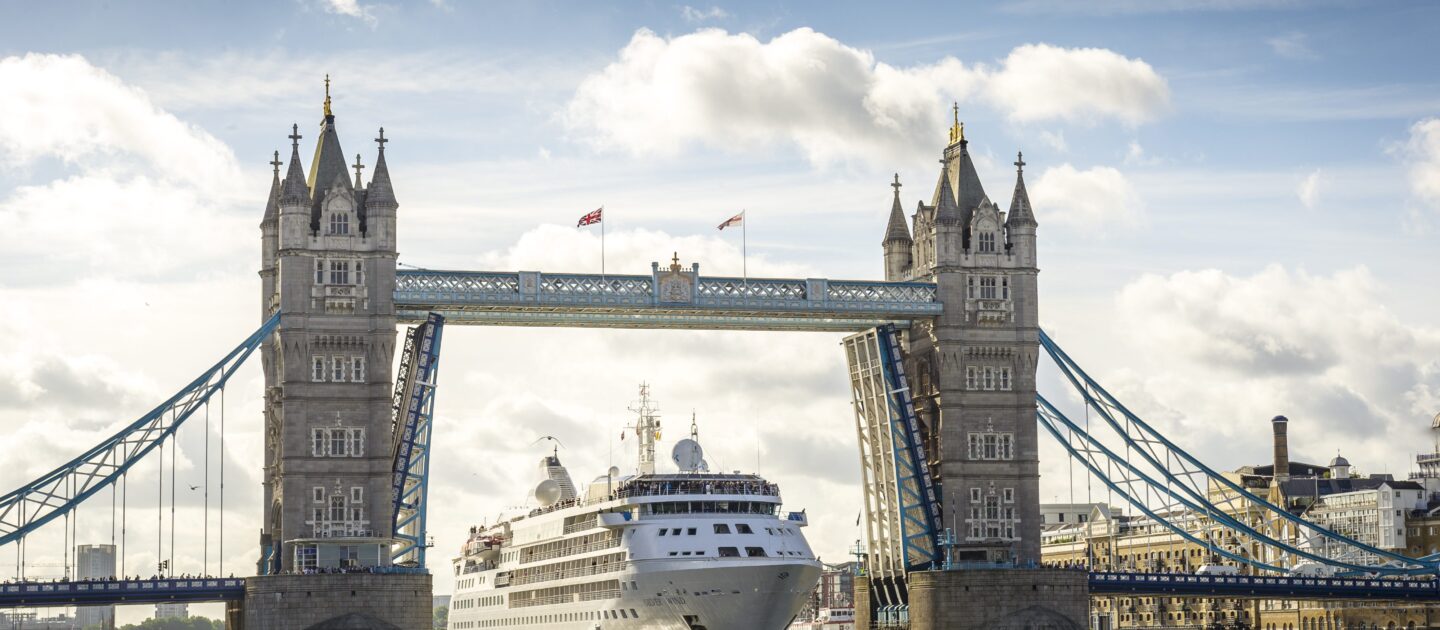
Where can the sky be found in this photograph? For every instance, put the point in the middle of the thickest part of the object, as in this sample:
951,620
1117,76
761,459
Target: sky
1238,200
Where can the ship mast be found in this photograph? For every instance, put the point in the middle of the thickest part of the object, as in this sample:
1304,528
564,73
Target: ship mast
647,428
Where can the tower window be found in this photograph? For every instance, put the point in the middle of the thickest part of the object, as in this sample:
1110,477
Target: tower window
319,493
987,242
317,442
317,369
1004,374
337,369
971,376
319,271
357,494
339,272
988,287
340,223
357,369
357,442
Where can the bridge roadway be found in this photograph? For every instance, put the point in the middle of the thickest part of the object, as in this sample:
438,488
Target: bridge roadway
120,592
1261,587
666,298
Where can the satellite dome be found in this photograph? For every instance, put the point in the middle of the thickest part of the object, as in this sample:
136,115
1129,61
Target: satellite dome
1339,461
1279,419
547,492
688,455
614,472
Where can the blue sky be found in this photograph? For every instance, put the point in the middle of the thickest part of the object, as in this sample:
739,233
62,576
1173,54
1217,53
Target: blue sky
1236,196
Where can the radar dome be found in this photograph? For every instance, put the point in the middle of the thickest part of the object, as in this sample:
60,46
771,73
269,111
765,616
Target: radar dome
547,492
614,472
688,455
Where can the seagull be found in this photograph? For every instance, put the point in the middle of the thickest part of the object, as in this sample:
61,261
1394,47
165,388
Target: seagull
194,487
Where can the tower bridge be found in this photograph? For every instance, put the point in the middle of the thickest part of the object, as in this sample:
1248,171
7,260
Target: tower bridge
942,357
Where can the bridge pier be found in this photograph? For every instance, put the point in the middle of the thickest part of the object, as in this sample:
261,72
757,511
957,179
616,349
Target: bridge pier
989,599
298,602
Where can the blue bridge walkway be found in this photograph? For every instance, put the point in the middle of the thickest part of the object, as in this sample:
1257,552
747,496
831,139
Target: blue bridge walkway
1262,587
121,592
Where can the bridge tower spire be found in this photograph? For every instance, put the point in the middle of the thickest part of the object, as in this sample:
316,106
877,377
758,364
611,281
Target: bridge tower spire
897,243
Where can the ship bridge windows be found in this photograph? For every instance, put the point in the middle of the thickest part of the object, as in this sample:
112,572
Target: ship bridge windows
741,528
729,552
721,528
755,552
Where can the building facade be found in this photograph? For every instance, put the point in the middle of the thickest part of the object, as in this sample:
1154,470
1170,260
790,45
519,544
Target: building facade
328,267
95,562
974,367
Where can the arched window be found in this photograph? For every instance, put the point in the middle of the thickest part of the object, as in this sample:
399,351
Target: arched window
340,223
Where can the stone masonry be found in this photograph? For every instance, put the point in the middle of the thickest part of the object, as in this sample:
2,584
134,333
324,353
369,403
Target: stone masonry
999,599
296,602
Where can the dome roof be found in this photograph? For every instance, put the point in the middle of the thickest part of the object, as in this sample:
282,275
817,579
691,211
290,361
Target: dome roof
1339,461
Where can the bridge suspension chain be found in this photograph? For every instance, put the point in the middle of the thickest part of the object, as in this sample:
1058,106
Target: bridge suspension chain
59,492
1203,489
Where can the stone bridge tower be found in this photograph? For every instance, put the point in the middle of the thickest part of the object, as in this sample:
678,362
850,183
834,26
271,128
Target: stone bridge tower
973,370
328,266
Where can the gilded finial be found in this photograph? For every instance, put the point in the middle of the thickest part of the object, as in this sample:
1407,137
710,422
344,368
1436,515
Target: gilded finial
675,262
327,95
957,128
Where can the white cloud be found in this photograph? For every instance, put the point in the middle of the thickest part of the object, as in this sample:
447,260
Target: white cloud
1292,46
149,194
1308,190
1094,199
832,101
63,107
1421,153
351,8
692,14
1056,140
1042,82
1323,350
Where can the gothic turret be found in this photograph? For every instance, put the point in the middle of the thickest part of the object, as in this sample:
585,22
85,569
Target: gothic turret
294,228
270,238
380,204
1020,224
897,243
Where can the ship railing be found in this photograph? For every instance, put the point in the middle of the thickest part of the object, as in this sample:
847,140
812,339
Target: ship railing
549,576
570,551
581,526
613,593
668,488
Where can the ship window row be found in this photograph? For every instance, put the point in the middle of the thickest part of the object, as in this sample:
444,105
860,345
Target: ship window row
589,615
709,507
570,546
570,593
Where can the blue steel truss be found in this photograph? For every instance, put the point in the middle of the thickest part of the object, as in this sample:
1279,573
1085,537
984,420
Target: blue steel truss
917,492
662,299
59,491
414,414
1185,480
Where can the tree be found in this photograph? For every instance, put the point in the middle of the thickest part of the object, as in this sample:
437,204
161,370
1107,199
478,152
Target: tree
188,623
442,617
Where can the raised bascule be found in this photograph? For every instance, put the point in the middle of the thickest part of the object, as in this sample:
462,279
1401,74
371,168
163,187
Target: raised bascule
942,357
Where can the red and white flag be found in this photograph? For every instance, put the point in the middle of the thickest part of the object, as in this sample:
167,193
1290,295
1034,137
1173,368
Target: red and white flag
591,218
738,219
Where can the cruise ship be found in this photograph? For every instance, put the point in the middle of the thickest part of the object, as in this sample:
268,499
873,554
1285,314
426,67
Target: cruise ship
689,550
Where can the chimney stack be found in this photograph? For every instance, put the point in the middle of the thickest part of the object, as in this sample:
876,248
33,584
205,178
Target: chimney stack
1282,448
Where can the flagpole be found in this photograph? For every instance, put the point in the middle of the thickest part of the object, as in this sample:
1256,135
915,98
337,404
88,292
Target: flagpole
602,243
744,248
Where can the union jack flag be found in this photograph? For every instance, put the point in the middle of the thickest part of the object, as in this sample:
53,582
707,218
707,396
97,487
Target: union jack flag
591,218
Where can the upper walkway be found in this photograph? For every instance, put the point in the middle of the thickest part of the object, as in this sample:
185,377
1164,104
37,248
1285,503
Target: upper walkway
666,298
